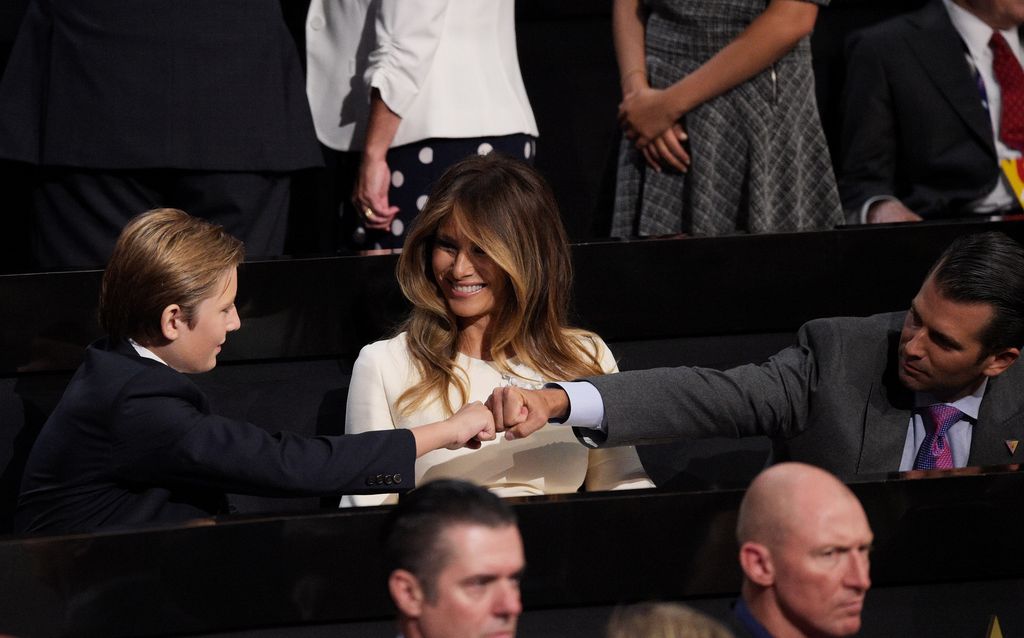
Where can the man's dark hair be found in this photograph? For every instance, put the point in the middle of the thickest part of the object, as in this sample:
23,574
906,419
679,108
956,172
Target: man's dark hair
987,268
413,533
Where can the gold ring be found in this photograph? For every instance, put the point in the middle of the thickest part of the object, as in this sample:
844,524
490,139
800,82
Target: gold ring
367,212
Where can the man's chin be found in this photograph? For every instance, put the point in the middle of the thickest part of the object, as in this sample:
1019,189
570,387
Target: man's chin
912,380
908,381
852,624
503,631
849,628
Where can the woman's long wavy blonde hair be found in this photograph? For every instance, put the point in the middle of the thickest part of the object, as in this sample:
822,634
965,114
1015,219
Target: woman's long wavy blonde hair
507,209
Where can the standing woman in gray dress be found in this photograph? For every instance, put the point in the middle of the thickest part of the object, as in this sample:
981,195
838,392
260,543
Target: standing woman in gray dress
722,133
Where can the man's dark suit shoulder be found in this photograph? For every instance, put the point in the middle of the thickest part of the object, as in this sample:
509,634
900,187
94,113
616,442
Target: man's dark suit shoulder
914,126
892,27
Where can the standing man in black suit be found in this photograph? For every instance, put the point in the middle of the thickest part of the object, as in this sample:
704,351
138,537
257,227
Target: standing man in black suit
127,106
133,440
923,126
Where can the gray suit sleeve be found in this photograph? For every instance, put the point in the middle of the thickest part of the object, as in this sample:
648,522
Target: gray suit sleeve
772,399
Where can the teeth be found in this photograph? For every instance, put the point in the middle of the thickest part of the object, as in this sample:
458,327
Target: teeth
467,289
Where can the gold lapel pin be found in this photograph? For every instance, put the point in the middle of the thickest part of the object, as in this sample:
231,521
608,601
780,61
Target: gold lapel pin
1012,446
994,630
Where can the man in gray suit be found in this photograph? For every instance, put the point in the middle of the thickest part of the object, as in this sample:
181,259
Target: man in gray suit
852,396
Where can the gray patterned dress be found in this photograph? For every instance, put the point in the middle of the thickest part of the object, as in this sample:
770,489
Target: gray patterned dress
759,158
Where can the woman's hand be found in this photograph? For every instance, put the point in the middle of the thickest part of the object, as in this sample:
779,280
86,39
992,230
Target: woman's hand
371,191
645,114
667,150
371,194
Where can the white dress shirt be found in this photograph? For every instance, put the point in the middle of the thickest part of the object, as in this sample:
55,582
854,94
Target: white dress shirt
145,352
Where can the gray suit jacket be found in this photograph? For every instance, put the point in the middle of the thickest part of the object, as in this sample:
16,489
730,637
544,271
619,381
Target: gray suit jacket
833,400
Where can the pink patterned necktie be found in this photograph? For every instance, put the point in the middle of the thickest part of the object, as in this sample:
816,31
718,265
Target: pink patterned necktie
1008,73
935,453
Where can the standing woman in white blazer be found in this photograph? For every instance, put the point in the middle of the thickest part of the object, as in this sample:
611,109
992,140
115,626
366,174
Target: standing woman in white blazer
488,272
443,82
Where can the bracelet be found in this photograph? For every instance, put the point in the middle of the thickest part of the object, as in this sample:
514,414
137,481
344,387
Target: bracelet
629,73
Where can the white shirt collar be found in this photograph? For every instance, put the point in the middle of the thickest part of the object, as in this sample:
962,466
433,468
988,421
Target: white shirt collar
970,405
976,33
145,353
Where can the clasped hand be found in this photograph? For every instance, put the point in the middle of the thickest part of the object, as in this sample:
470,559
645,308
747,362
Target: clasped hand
656,131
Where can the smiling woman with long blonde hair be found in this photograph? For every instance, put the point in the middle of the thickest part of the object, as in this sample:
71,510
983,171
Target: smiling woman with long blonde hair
487,270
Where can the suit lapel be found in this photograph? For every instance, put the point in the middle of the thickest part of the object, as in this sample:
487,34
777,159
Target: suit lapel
946,67
886,417
1000,419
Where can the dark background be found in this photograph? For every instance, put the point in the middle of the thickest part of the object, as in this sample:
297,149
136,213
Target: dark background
568,64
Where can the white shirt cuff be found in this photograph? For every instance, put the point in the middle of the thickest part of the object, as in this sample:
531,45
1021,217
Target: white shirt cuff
586,407
871,202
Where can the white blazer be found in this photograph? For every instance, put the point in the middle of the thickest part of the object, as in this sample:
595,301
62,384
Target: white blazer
448,68
340,34
550,461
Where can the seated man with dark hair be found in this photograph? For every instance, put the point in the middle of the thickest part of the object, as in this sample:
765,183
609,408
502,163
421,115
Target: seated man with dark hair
133,441
804,545
455,559
930,388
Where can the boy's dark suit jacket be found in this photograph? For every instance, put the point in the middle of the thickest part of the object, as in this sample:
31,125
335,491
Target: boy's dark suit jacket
133,442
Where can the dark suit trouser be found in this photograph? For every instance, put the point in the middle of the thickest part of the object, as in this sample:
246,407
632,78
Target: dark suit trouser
79,213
